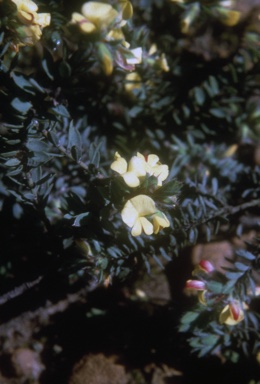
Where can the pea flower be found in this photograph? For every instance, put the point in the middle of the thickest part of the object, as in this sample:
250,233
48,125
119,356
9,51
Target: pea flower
138,167
131,172
196,285
232,314
107,20
154,167
141,214
95,16
32,22
204,266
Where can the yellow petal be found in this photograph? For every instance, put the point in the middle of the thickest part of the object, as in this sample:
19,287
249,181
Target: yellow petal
137,165
133,81
229,17
129,214
152,160
131,179
160,221
161,172
146,225
119,165
43,19
26,5
144,205
127,10
100,14
84,24
137,228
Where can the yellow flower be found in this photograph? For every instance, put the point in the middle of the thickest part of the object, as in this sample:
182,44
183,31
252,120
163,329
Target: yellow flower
33,22
232,314
133,82
154,167
131,172
141,214
102,15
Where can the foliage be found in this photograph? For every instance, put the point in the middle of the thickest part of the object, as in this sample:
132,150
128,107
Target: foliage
73,99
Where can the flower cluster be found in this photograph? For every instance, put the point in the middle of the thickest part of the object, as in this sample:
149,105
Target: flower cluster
140,212
232,313
106,21
30,22
138,167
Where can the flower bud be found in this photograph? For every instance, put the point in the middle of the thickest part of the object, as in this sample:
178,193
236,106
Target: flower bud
197,285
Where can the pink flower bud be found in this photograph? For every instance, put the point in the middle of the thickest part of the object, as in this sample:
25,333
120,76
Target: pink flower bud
235,310
206,266
195,284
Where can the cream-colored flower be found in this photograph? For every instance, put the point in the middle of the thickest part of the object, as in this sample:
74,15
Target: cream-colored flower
32,22
232,314
141,214
102,15
154,167
131,172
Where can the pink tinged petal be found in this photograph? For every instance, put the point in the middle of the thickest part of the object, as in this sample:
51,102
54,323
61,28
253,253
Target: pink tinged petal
196,285
137,165
206,266
131,179
232,314
235,310
84,24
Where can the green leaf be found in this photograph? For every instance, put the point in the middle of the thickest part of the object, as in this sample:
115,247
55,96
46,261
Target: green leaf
74,142
241,266
12,162
37,145
60,110
234,275
81,219
21,106
215,287
94,154
199,95
189,317
245,254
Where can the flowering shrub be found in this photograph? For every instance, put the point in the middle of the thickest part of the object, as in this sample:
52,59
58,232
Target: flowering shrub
173,86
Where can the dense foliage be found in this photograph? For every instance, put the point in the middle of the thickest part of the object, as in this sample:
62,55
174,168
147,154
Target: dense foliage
176,79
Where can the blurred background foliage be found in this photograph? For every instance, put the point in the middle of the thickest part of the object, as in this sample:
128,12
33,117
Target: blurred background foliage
72,99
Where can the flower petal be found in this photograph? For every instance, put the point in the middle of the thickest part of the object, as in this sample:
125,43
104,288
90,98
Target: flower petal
100,14
131,179
160,221
137,165
137,228
144,205
129,214
147,225
119,165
